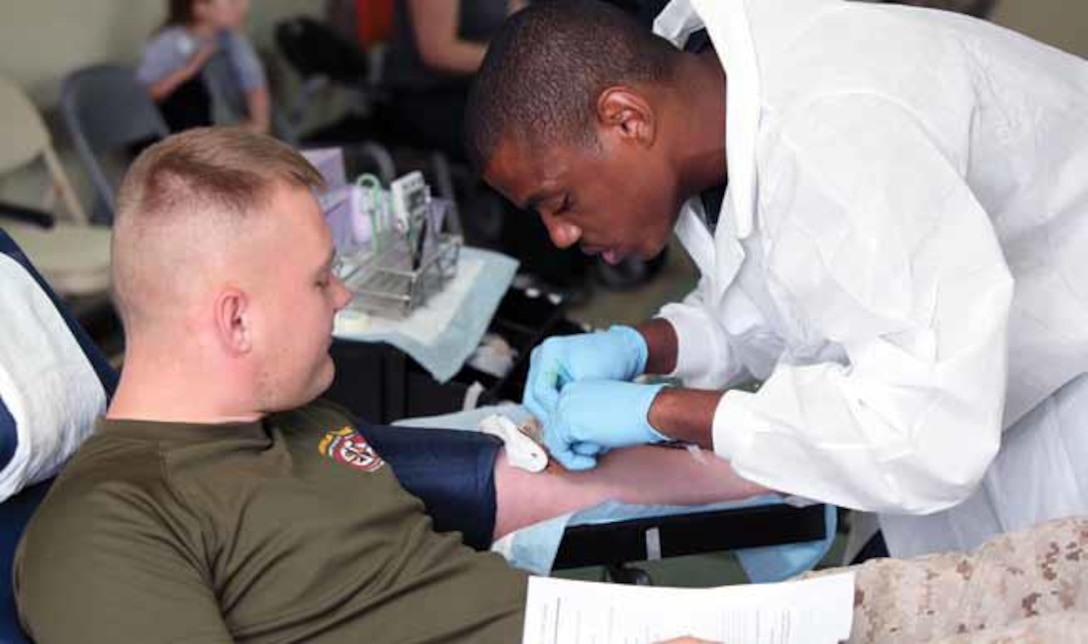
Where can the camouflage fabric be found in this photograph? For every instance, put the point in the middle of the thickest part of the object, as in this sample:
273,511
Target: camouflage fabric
1023,586
1063,628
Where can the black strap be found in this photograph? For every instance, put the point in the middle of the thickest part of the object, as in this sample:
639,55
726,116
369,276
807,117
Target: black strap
712,205
25,214
698,42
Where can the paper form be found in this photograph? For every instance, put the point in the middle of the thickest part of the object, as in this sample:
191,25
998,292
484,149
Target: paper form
815,611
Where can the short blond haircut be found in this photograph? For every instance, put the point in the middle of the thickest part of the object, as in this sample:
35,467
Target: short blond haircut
199,180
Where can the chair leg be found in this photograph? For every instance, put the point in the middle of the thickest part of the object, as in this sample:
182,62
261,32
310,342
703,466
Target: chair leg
387,168
63,187
443,177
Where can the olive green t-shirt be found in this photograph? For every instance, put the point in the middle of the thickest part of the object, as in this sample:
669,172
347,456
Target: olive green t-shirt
291,529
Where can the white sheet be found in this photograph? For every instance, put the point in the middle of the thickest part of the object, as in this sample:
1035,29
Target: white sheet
46,381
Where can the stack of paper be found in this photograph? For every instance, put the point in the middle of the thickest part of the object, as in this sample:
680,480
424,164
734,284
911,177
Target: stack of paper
814,611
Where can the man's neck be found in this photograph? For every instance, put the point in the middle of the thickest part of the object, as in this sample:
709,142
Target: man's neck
160,388
699,153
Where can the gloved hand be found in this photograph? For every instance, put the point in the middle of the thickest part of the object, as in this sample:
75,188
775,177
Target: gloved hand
619,353
594,416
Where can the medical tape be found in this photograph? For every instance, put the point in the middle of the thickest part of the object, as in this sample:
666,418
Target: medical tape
521,451
696,453
472,397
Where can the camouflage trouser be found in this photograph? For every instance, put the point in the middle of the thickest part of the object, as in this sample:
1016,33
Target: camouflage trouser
1029,586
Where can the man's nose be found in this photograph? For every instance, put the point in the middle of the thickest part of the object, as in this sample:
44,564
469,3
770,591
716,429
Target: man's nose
563,234
342,294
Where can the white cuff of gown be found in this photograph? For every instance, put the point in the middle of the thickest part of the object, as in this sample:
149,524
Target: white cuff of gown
733,427
700,352
733,431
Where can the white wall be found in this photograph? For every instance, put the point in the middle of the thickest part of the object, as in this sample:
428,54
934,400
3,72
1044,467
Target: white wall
43,40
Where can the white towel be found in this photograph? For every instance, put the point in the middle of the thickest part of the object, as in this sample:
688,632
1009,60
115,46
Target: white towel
46,381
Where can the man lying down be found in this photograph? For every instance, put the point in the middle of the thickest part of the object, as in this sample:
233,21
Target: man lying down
220,500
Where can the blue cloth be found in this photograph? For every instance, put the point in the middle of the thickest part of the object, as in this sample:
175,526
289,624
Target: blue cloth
16,511
534,548
445,354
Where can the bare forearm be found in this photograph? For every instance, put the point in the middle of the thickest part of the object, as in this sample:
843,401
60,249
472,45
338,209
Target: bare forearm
436,34
457,57
639,475
686,414
663,345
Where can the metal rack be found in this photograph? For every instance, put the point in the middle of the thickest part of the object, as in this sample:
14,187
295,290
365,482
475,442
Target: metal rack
385,283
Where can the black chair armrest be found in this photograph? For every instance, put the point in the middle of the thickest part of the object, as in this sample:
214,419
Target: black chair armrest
687,534
26,215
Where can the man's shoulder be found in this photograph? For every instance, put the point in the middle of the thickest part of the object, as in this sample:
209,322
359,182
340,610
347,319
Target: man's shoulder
106,475
109,488
106,460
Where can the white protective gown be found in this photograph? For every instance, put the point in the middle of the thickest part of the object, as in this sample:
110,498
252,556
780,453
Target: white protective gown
902,256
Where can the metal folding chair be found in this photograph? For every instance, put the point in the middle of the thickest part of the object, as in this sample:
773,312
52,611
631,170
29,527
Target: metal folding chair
73,256
107,113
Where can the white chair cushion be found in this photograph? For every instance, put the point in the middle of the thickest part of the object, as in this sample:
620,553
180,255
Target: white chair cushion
75,260
46,381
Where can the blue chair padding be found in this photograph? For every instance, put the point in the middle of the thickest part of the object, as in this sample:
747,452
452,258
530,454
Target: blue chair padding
14,515
8,436
16,511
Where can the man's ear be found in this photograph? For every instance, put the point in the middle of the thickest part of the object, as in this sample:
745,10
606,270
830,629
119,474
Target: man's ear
233,323
627,114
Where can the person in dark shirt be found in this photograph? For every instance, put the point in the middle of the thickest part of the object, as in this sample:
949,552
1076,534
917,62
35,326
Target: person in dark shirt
434,51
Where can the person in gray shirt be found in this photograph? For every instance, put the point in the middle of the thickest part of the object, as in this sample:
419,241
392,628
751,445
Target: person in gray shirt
202,70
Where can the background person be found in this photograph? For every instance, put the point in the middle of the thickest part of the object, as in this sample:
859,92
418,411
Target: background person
201,69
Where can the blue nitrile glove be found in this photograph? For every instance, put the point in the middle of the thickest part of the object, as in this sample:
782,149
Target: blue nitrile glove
619,353
594,416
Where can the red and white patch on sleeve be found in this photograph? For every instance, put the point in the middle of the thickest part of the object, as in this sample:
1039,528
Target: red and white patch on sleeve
348,446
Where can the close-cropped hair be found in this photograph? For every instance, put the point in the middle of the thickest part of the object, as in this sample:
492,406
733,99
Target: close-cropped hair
189,191
546,68
226,169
